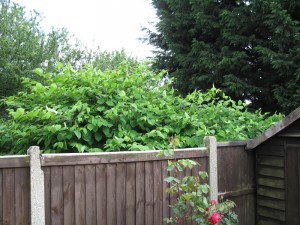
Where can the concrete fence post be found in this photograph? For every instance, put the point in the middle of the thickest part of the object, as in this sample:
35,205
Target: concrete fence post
37,190
211,144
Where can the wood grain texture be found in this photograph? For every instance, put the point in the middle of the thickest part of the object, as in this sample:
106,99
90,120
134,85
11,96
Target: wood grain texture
14,161
165,195
111,195
47,186
117,157
158,193
292,178
57,196
22,196
130,193
140,193
79,195
1,196
121,193
9,216
90,195
101,189
149,191
69,195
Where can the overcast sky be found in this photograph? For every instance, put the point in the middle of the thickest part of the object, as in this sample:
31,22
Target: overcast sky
110,24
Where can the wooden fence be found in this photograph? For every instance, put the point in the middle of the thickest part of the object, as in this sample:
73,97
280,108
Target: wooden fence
114,188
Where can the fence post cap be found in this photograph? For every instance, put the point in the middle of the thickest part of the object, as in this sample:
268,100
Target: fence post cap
209,138
33,149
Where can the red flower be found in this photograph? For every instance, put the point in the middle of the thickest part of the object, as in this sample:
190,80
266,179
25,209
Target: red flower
178,219
207,209
212,202
214,218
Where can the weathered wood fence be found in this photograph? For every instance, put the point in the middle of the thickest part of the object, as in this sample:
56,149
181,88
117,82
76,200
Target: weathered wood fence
115,188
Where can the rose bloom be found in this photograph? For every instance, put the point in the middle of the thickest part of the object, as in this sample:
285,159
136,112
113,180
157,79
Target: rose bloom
214,218
212,202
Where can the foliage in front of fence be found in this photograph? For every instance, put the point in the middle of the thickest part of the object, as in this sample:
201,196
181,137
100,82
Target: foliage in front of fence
191,194
128,108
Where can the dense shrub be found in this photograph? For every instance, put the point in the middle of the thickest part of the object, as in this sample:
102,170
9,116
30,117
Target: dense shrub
128,108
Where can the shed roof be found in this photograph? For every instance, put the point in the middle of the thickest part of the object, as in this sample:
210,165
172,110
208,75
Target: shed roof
276,128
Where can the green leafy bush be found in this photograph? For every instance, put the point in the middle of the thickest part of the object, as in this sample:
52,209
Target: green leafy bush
128,108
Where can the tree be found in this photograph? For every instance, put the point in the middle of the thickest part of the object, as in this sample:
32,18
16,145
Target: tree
112,60
25,46
127,108
248,48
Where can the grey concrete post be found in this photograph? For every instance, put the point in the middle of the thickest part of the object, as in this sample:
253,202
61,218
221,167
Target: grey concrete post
211,144
37,189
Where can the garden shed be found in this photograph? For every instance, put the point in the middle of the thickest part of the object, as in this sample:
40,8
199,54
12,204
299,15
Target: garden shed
277,153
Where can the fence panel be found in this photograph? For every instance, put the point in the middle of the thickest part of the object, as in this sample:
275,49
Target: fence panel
236,177
126,189
119,188
14,190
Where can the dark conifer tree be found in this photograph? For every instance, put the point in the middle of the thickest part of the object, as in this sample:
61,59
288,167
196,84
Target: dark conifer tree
248,48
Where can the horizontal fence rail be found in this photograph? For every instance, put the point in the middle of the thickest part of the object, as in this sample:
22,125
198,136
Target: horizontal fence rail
118,157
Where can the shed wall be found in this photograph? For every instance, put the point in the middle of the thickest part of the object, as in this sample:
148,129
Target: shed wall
271,195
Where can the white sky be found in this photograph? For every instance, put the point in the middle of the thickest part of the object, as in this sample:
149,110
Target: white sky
110,24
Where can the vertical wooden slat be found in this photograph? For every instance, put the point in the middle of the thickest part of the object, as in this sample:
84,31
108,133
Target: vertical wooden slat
57,197
22,190
9,197
130,194
111,194
188,172
180,176
69,195
47,185
140,193
298,167
1,197
90,193
101,194
173,197
121,193
202,166
158,189
149,193
292,185
79,195
165,195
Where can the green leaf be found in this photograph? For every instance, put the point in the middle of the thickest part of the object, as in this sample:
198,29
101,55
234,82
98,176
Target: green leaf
39,71
98,136
19,112
77,133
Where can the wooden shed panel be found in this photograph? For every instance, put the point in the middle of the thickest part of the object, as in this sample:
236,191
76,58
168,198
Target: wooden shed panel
271,182
271,213
271,150
270,171
266,221
292,172
271,203
270,161
272,193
